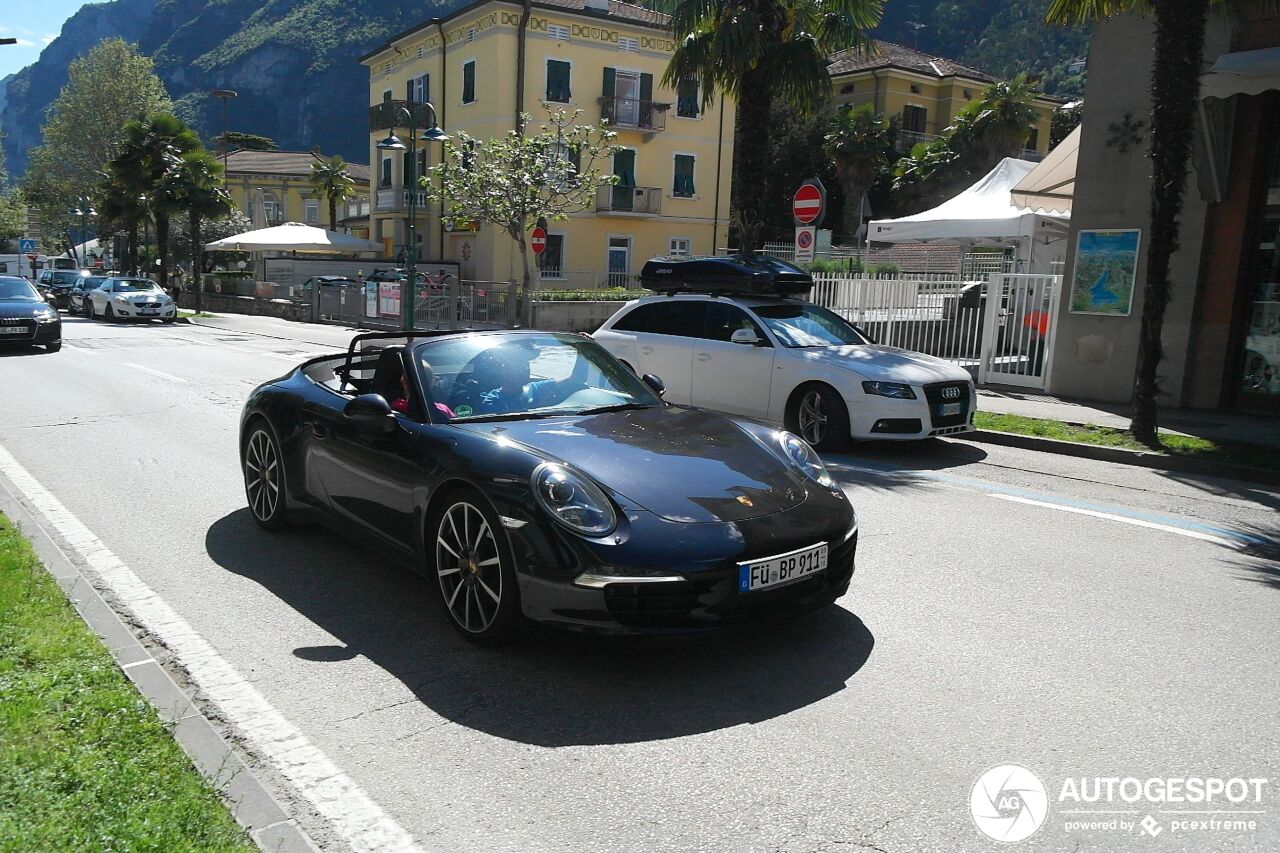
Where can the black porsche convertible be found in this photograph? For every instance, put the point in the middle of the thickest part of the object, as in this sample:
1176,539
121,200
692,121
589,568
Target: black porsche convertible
530,474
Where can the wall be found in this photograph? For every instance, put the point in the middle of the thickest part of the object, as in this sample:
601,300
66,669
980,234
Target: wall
1095,356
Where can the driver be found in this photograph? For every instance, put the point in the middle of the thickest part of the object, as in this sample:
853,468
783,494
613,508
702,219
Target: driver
515,390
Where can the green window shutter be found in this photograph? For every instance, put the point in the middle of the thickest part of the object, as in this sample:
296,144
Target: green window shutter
646,100
426,88
624,166
408,96
558,81
468,82
607,93
683,183
687,104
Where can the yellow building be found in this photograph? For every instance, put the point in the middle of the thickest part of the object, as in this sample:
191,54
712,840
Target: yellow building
274,187
602,57
925,92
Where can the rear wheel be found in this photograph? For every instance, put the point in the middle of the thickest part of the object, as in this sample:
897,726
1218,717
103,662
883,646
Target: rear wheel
263,477
819,416
473,567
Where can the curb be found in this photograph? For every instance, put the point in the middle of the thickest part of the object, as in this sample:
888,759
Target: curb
1120,455
248,799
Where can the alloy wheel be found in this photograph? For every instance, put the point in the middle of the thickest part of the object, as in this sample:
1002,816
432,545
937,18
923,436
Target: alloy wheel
812,417
262,476
469,567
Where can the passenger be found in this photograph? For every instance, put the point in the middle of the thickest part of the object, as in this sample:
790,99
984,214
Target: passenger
401,403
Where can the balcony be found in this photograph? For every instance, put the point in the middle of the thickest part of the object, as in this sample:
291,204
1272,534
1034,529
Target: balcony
629,200
357,209
632,114
386,115
396,199
908,139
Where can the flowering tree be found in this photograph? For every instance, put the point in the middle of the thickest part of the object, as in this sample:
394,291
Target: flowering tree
516,179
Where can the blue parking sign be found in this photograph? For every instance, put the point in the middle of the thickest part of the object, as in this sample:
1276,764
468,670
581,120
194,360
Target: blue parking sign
26,246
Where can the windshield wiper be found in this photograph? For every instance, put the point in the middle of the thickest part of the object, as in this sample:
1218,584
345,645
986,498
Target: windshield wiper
514,416
617,407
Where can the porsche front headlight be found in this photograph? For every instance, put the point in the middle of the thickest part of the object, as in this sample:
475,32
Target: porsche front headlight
573,500
806,460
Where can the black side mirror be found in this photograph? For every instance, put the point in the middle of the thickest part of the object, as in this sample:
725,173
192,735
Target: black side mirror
370,412
655,384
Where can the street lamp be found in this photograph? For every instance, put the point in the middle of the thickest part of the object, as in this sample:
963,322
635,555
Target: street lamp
83,209
393,143
224,95
146,234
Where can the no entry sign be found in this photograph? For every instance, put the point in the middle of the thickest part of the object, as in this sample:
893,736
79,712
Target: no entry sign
809,203
538,240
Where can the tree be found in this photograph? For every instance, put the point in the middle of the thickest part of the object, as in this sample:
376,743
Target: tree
330,180
13,215
516,179
232,222
862,145
1066,118
234,139
121,210
107,87
1175,88
195,185
152,148
757,51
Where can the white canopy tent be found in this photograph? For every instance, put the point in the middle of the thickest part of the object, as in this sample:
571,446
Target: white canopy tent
1051,185
982,215
294,237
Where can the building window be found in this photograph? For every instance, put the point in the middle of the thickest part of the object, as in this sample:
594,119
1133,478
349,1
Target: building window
558,73
551,262
968,94
557,32
679,247
687,98
628,98
619,261
271,208
913,119
1033,141
386,96
630,44
469,82
469,155
683,184
311,211
384,176
846,90
418,89
915,89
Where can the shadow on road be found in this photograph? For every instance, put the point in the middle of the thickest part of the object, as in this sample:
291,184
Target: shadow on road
892,466
551,688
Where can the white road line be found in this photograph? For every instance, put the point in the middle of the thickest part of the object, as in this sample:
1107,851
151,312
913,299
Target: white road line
353,815
154,372
1137,522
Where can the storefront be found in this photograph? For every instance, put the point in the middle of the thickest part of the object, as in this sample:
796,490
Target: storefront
1259,386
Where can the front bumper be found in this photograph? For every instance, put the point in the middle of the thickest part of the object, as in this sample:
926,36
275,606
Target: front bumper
33,333
133,312
892,419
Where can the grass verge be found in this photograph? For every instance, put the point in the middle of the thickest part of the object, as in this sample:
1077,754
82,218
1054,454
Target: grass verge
185,314
1229,453
85,763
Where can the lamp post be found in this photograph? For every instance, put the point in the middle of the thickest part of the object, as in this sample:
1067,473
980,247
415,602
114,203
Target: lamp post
83,209
393,143
146,238
224,95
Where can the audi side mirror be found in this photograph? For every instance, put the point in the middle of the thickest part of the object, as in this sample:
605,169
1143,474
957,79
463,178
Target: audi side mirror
745,336
655,384
370,413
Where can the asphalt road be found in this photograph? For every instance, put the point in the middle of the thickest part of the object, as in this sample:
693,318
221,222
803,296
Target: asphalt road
1081,619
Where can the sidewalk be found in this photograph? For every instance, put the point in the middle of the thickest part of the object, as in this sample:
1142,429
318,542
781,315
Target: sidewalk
319,334
1201,423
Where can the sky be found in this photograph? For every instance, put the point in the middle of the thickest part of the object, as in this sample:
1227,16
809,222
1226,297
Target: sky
35,25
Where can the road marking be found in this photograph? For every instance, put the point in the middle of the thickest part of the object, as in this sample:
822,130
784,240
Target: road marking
1124,519
154,372
360,822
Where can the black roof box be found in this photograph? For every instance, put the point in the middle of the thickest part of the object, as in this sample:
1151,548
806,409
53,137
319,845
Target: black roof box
747,275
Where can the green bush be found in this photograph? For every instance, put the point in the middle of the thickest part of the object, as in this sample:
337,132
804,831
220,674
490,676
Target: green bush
601,294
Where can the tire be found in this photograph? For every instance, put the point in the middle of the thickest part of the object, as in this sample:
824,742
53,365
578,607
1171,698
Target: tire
264,476
817,414
168,320
88,310
109,315
53,347
471,560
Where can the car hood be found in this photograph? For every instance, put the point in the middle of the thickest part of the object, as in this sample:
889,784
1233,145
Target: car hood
686,465
889,364
21,310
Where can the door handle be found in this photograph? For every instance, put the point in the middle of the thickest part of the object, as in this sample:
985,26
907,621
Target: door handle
704,356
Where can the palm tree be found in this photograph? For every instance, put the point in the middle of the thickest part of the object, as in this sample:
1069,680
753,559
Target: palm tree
152,146
330,180
1175,88
195,186
121,208
756,51
1007,117
861,143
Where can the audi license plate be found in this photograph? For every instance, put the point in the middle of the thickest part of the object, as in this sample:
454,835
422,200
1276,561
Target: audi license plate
782,569
13,330
948,409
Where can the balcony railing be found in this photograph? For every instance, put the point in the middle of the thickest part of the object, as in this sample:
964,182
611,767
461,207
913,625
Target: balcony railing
624,199
387,116
355,209
633,114
908,139
396,198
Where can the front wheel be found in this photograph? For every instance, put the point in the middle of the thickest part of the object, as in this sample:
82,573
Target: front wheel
53,347
819,416
263,477
88,311
109,315
473,567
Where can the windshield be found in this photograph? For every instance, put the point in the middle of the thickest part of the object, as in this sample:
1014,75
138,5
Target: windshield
480,377
65,277
91,282
805,325
134,285
17,289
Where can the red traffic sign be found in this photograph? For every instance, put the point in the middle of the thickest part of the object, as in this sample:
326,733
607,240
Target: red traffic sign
804,238
809,203
538,240
32,257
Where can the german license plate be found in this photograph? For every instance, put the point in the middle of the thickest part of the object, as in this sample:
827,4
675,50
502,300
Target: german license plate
782,569
13,330
949,409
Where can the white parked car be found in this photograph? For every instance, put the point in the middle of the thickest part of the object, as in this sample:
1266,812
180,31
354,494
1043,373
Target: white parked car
792,363
129,299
